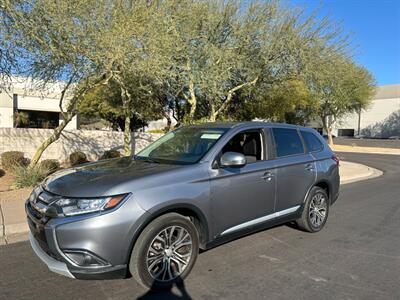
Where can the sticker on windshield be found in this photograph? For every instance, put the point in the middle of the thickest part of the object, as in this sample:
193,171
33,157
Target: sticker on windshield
210,136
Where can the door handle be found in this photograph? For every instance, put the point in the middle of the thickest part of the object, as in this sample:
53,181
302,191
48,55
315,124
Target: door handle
267,176
309,167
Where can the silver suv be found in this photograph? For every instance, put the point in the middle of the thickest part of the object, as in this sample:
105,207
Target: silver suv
194,188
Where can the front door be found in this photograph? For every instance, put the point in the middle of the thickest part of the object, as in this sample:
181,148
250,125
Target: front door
240,197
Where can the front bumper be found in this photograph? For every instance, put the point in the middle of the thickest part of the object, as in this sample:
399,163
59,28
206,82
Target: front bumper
108,236
53,265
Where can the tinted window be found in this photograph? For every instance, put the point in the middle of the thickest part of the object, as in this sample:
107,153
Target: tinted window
312,142
287,142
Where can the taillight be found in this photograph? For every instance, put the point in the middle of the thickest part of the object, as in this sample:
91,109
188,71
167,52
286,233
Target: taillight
336,159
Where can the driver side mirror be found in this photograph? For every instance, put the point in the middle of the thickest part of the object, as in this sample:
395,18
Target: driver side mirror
232,159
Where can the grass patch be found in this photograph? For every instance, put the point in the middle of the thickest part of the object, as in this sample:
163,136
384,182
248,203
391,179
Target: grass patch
29,177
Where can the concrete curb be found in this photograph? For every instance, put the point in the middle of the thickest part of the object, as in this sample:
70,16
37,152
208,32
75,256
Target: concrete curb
366,151
355,172
366,173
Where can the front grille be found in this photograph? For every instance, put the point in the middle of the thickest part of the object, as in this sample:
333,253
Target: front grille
38,231
37,220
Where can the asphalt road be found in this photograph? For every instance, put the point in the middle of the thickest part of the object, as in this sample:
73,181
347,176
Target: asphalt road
356,256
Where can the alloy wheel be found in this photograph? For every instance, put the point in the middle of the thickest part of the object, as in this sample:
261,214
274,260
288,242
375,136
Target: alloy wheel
169,253
318,209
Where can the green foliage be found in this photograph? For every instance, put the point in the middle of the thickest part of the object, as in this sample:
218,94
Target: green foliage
199,60
12,159
162,131
105,102
338,87
110,154
77,158
25,176
51,165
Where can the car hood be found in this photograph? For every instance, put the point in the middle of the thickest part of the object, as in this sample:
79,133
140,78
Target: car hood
102,178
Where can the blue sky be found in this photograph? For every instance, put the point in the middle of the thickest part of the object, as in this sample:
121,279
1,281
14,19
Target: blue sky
375,29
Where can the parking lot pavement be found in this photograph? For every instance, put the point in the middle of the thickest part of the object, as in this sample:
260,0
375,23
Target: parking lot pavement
356,256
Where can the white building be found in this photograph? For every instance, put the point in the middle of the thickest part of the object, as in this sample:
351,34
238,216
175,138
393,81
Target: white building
37,108
372,121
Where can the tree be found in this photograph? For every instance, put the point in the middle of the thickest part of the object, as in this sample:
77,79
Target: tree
53,43
339,87
79,47
105,102
222,56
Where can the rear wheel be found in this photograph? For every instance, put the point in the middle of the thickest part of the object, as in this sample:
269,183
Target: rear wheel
315,212
165,251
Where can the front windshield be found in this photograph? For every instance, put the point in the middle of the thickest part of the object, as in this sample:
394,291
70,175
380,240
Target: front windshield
186,145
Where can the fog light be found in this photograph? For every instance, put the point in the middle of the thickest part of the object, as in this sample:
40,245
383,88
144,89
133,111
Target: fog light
85,259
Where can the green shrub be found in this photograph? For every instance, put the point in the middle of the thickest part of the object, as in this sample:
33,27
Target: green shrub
51,165
110,154
28,177
162,131
77,158
12,159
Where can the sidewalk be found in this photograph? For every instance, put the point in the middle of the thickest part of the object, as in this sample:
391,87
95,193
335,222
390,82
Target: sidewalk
372,150
13,219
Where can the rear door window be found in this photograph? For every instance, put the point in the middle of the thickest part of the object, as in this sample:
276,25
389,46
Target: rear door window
312,142
287,142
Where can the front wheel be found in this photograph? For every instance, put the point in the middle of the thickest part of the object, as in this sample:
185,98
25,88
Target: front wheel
315,212
165,252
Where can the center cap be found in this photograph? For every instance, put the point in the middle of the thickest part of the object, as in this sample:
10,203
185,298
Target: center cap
168,252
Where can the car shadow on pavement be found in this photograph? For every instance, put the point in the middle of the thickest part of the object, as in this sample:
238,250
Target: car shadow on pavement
167,293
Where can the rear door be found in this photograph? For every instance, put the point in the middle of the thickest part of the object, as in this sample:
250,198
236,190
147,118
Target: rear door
296,169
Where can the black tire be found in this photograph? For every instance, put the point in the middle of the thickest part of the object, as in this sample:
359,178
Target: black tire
305,222
138,264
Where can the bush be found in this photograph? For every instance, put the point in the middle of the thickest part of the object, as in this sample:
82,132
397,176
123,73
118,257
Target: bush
162,131
12,159
51,165
77,158
28,177
110,154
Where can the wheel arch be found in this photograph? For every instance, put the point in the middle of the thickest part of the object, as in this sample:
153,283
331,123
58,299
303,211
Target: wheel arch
324,184
185,209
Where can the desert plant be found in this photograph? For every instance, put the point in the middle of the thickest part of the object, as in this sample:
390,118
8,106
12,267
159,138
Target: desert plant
12,159
77,158
110,154
163,131
51,165
28,177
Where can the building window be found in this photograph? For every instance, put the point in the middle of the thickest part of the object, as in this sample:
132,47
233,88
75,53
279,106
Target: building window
36,119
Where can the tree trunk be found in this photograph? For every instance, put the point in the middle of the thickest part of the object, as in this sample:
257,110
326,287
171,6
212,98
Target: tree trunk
127,136
169,121
327,125
66,115
51,139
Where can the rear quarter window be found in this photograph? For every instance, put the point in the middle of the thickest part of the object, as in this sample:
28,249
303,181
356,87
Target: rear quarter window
287,142
312,142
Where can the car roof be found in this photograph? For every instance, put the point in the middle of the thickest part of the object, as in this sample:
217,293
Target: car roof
229,125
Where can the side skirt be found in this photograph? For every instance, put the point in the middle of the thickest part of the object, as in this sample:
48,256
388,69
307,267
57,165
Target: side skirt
222,239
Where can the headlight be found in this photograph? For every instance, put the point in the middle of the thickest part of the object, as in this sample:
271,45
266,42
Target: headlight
77,206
